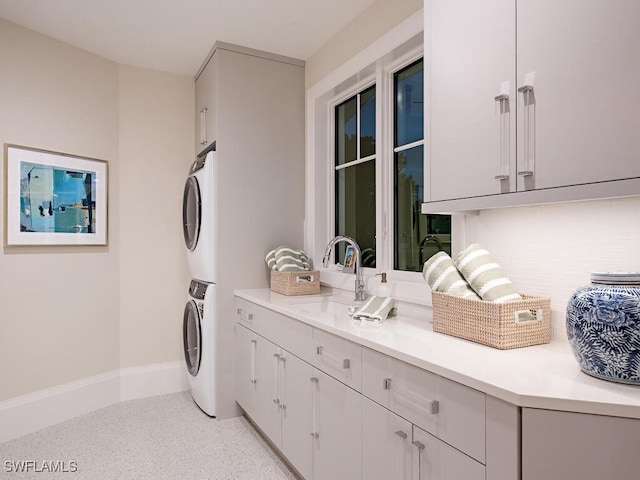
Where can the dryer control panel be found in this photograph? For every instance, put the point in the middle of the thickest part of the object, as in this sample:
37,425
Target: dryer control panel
198,289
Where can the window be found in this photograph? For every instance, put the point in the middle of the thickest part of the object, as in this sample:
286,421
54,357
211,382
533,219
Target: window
416,236
355,173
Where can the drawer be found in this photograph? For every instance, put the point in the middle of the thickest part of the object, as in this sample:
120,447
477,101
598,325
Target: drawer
296,337
338,358
446,409
256,318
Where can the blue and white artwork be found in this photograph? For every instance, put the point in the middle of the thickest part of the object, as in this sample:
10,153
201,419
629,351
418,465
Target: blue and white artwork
603,327
56,200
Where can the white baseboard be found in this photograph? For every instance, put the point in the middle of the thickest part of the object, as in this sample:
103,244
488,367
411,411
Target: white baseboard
151,380
34,411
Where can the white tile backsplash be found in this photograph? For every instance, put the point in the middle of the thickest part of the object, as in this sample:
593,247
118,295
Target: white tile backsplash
551,250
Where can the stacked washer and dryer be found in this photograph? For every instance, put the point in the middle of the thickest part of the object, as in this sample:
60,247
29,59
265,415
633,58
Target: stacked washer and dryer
198,329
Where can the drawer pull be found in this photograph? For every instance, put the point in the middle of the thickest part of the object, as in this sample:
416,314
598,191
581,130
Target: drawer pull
401,434
319,350
434,407
346,363
418,444
248,317
386,384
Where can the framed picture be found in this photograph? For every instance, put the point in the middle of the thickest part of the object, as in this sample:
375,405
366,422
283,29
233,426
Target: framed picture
349,259
53,198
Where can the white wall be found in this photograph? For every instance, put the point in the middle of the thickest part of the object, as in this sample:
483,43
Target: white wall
58,305
68,313
551,250
156,148
376,20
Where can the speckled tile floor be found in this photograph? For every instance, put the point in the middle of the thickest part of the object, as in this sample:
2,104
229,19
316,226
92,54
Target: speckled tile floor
164,437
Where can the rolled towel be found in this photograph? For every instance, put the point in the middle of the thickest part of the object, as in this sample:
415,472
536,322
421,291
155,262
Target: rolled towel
485,276
374,309
287,259
442,276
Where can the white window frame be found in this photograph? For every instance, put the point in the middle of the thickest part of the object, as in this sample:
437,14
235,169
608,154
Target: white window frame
375,64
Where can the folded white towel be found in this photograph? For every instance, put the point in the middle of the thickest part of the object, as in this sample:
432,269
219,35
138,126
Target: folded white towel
374,309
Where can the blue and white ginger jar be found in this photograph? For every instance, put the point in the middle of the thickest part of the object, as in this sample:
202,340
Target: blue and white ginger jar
603,326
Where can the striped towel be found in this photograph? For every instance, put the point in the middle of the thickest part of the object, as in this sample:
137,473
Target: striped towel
374,309
485,276
287,259
442,276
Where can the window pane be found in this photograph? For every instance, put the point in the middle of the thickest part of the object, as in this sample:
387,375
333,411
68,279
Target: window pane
409,104
356,209
368,122
346,131
417,236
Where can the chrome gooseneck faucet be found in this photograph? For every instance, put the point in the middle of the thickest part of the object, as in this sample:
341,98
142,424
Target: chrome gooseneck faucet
359,286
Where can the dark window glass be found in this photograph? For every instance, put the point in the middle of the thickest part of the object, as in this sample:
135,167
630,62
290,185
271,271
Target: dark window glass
356,209
368,122
416,236
409,84
346,131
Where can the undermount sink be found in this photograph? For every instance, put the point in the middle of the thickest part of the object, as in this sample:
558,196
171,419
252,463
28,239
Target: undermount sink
324,305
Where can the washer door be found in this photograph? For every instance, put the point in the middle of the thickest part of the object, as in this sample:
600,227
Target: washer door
191,212
192,337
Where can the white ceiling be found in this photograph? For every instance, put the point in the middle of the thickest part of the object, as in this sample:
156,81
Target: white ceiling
176,35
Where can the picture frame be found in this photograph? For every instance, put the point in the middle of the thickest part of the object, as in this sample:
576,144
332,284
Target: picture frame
53,198
349,259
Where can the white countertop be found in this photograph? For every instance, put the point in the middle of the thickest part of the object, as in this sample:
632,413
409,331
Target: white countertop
543,376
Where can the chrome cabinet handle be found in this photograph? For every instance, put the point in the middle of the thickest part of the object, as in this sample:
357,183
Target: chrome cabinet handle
503,136
434,407
401,434
248,317
386,384
346,363
314,408
203,126
529,147
319,350
254,344
418,444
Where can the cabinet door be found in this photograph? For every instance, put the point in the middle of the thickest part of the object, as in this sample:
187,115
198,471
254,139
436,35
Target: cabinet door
205,106
472,61
268,391
245,368
337,428
435,460
581,122
386,444
562,445
297,443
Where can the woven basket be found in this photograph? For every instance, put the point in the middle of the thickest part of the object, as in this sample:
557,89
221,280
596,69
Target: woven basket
295,283
490,323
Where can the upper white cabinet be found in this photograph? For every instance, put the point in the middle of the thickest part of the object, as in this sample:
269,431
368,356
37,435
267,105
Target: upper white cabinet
528,95
205,104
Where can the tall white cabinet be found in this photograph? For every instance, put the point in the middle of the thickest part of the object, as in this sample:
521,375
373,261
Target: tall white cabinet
251,104
531,95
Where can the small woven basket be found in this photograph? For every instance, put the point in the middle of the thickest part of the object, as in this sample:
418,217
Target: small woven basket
295,283
493,324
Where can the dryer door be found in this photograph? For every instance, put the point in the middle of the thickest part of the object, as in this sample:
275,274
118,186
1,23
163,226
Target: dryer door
192,337
191,212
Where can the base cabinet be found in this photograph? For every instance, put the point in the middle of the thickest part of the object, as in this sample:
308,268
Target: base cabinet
435,460
337,441
561,445
371,418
